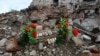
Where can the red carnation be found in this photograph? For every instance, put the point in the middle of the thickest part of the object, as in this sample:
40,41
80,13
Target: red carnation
33,25
66,23
26,28
75,31
34,34
59,25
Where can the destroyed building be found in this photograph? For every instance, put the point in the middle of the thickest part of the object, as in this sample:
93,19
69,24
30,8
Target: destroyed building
81,15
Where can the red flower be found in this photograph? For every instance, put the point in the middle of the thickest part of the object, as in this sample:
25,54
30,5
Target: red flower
34,34
75,31
33,25
26,28
59,25
66,23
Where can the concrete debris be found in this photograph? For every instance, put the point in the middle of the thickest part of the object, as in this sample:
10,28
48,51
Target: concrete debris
46,14
4,21
92,51
33,53
27,53
98,39
78,42
39,27
50,32
40,46
85,37
13,33
40,34
2,31
2,42
11,44
86,53
1,52
7,54
1,19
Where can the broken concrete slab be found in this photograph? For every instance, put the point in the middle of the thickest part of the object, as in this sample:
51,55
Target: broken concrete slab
2,42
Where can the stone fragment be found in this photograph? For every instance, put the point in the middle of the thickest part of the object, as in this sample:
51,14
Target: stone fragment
1,19
7,36
7,54
85,37
2,31
52,40
11,44
19,53
45,41
40,46
45,33
54,31
26,53
8,33
5,21
86,53
50,32
93,49
93,54
2,42
1,51
98,39
44,48
49,53
33,53
78,42
40,34
9,28
70,21
39,27
13,33
1,36
54,51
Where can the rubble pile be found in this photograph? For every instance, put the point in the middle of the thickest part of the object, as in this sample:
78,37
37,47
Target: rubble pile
81,41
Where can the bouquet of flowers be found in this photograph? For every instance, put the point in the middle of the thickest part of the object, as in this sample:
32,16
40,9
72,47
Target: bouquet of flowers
28,35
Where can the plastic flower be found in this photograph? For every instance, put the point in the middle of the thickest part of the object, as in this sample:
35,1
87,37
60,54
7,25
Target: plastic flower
26,28
66,23
34,34
75,32
33,25
59,25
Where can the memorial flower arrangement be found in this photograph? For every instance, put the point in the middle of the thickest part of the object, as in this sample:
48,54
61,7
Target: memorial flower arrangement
62,28
28,35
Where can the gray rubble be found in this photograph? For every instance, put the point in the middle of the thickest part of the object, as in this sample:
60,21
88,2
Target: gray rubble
46,17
